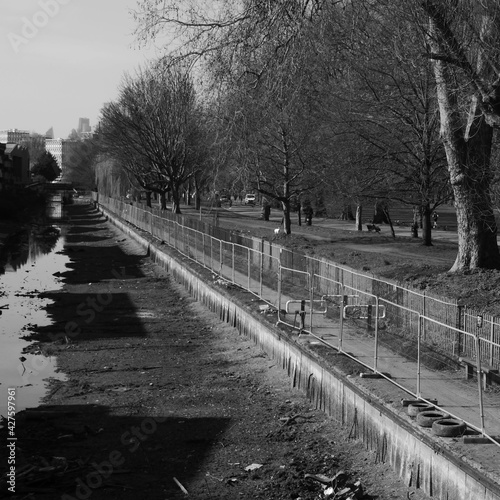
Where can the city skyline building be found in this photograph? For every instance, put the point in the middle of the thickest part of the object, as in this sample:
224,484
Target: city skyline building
83,126
14,136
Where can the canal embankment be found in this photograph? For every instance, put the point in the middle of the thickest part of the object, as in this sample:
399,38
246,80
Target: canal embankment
158,388
443,467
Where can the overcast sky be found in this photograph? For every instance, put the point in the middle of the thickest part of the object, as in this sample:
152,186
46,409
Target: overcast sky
62,59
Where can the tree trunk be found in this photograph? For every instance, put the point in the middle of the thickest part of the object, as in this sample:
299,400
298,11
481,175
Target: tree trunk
389,220
266,211
148,199
359,214
176,200
414,226
163,200
427,225
468,151
287,223
380,214
188,193
299,214
347,213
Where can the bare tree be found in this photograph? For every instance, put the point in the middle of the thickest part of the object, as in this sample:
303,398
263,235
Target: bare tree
110,178
152,130
463,39
80,165
462,42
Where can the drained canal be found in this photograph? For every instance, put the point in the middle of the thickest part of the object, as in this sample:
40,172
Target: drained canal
33,261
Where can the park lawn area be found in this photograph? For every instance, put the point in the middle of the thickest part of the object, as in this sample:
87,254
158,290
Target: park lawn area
402,259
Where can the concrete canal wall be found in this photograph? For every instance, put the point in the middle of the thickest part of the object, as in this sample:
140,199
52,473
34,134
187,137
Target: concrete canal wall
421,460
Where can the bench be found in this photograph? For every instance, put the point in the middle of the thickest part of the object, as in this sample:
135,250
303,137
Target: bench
487,372
373,227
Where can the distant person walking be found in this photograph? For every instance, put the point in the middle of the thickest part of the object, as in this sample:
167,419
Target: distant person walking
435,218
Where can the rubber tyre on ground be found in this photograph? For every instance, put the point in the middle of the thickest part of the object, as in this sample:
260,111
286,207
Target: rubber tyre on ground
415,408
427,418
448,427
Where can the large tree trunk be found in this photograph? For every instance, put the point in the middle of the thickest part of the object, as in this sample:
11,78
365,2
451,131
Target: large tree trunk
477,229
426,225
380,213
468,151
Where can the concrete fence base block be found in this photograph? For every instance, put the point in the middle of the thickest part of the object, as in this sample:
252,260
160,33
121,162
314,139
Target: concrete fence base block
375,375
407,402
477,440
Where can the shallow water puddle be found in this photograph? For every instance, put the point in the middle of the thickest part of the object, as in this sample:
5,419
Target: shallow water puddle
21,311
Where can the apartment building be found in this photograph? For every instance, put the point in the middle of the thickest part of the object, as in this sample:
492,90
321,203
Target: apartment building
13,136
14,166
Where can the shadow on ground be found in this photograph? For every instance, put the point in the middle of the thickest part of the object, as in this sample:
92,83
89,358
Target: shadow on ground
95,303
83,451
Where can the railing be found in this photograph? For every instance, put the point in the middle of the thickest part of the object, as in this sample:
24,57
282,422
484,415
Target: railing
333,303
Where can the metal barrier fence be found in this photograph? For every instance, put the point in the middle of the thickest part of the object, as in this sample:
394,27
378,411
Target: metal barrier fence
334,303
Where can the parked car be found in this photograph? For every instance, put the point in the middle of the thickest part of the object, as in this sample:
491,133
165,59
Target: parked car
250,199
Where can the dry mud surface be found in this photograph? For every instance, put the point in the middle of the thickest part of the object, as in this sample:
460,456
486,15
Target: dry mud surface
162,396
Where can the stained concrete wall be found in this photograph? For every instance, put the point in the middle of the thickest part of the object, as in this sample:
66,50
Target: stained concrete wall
415,456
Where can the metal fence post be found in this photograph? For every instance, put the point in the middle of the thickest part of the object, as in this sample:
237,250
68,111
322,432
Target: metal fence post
311,299
261,277
492,338
248,268
211,253
460,327
343,302
196,253
221,257
419,335
232,263
203,250
279,287
479,380
375,361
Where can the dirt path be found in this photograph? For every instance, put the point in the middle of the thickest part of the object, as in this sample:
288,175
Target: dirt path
162,396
